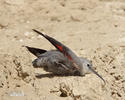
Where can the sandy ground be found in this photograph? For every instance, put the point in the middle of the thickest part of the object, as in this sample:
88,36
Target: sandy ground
94,29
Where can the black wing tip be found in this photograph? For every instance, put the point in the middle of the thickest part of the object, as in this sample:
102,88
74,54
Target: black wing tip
28,47
34,30
38,32
25,46
35,51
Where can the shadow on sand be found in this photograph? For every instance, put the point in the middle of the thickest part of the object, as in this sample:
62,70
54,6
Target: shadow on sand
51,75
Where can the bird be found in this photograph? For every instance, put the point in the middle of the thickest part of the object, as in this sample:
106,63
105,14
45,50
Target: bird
62,60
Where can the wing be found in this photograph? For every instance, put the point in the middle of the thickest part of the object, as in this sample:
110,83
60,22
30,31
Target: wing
35,51
65,50
56,43
60,67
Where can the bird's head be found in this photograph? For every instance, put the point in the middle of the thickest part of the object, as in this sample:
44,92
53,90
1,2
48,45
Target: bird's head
87,68
86,65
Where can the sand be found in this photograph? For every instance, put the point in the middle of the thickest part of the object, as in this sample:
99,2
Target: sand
94,29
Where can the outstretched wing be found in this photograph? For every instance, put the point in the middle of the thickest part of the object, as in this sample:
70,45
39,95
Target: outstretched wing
35,51
56,43
62,48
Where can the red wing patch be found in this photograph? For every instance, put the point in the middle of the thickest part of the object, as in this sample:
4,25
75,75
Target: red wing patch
59,47
69,57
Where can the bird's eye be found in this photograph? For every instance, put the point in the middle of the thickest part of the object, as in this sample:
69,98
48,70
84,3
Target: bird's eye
88,65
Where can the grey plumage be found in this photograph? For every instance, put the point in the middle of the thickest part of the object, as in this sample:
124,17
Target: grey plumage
61,61
55,62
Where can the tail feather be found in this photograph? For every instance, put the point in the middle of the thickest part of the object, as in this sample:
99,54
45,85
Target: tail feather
35,51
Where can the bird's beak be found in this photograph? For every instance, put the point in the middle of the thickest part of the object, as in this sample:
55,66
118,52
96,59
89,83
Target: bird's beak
96,73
